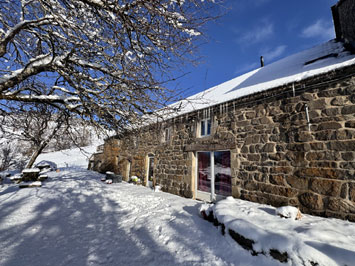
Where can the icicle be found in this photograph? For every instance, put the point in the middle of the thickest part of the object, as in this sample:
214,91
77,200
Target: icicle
293,89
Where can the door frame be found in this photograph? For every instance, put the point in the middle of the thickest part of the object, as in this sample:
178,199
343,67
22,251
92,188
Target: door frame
150,156
128,171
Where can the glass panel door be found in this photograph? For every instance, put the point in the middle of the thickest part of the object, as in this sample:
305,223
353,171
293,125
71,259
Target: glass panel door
204,171
213,175
222,171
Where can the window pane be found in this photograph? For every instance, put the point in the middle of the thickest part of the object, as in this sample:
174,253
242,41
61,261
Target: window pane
167,134
203,131
204,171
209,127
222,170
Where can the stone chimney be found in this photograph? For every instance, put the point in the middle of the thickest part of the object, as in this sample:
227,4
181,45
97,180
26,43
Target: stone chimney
261,61
344,21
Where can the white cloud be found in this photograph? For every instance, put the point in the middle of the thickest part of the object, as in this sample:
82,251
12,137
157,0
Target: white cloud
271,54
257,34
246,68
268,54
320,29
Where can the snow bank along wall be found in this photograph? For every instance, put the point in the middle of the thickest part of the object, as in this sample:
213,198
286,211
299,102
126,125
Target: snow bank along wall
277,157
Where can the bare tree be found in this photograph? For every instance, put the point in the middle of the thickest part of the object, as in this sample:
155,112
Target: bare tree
36,124
36,127
77,133
105,60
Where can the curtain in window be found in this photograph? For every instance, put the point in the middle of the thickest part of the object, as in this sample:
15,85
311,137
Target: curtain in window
204,171
222,171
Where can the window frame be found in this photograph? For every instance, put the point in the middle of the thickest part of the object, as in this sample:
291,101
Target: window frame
167,134
205,127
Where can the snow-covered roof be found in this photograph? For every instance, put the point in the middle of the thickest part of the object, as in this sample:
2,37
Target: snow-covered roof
317,60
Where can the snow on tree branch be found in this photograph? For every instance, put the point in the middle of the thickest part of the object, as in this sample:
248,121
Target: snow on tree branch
105,60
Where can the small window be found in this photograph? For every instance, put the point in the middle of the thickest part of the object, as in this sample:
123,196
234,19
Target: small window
135,142
167,134
150,167
205,129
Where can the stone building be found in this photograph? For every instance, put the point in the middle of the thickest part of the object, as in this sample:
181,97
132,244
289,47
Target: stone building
283,134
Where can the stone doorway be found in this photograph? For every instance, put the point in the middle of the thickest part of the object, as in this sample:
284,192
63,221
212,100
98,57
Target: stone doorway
150,170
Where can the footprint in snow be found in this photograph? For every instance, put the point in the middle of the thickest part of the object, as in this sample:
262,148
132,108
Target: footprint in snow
159,228
166,240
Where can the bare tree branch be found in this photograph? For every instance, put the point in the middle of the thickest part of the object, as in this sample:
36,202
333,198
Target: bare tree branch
107,61
26,24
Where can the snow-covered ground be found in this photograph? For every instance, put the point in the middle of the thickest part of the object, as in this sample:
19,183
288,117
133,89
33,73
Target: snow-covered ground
75,219
77,157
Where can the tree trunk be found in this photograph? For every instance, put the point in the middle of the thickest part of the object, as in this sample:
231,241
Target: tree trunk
44,143
36,153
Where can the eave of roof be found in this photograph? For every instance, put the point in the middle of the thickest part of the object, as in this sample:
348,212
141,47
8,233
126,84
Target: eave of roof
315,61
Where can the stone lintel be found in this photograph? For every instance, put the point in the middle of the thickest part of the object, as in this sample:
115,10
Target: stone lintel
209,147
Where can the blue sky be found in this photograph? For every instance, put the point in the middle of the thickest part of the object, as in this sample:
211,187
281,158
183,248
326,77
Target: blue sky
251,28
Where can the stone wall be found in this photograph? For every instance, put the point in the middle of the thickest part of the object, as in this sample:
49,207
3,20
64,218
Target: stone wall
277,157
171,162
283,162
